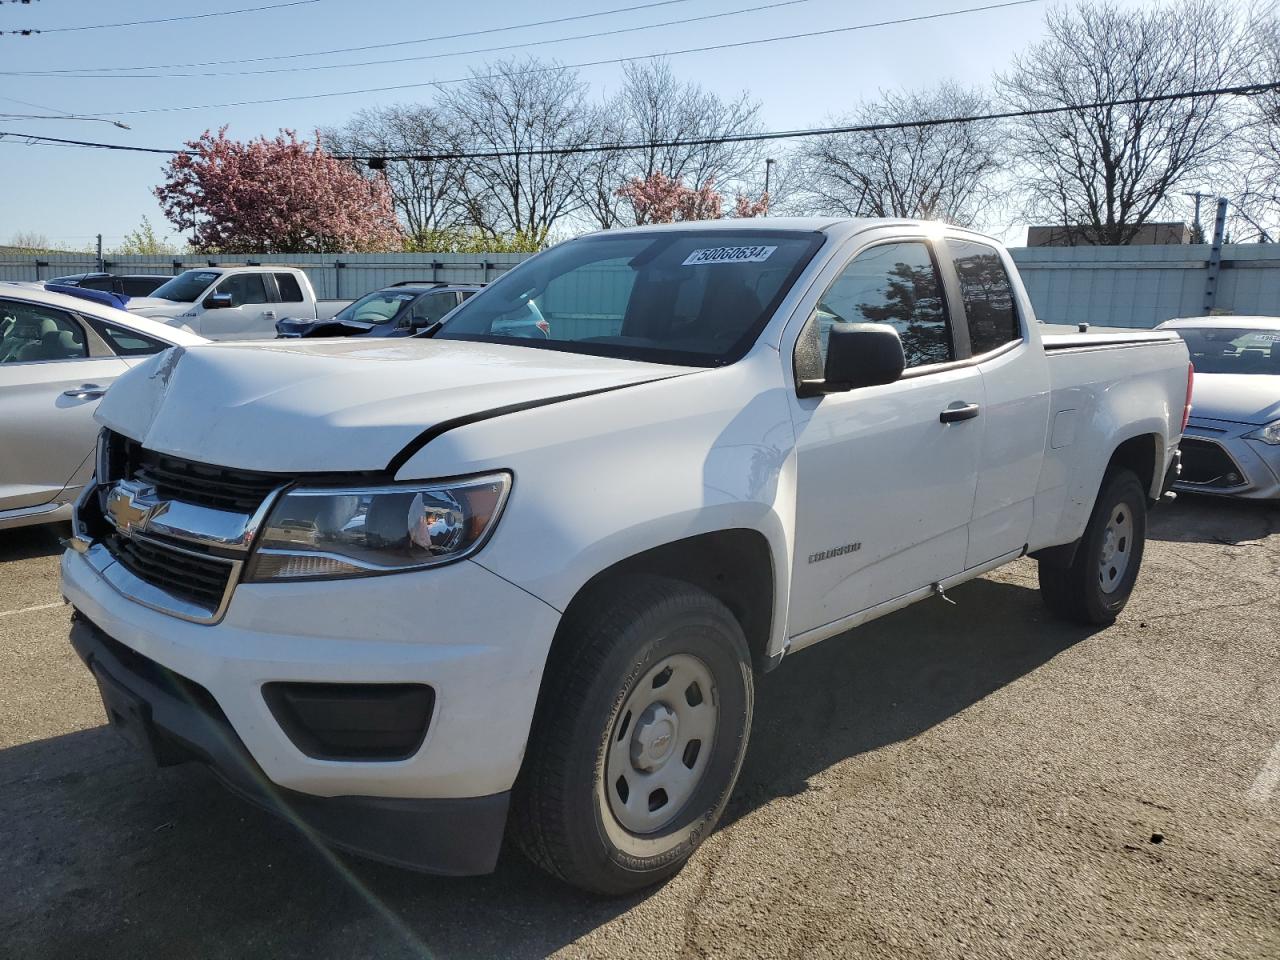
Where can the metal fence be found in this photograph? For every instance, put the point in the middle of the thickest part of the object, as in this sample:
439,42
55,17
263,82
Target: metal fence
1103,286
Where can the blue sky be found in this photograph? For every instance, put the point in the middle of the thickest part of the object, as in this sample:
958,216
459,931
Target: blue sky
70,194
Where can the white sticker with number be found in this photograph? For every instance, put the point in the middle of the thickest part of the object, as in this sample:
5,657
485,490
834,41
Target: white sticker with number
728,255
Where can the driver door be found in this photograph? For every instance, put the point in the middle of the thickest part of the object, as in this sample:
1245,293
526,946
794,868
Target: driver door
885,489
251,316
49,389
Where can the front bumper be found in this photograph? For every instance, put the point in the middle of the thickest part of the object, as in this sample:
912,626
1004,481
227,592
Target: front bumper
175,720
478,641
1221,461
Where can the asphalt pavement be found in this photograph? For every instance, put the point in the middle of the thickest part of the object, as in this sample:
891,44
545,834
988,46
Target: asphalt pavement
967,781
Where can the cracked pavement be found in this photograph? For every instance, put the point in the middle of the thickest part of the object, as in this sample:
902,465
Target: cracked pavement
968,781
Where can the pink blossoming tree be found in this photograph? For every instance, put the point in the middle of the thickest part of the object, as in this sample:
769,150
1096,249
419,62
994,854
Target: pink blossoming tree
282,195
662,199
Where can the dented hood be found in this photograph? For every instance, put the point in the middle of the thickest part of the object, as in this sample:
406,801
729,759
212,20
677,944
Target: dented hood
301,406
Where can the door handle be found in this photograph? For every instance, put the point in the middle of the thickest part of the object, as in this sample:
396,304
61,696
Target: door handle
955,414
269,314
86,391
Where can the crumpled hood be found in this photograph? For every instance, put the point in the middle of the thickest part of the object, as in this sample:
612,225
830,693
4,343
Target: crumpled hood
1236,397
298,406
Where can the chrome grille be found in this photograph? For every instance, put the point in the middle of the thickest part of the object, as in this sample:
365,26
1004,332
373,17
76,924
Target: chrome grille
185,574
220,488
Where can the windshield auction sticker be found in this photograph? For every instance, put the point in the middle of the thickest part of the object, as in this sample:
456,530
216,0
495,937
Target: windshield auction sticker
728,255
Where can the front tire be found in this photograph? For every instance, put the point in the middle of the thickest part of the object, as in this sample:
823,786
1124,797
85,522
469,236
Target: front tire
1098,583
639,736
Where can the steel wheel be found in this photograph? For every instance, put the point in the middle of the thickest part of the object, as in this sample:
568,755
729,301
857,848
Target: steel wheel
661,744
1117,548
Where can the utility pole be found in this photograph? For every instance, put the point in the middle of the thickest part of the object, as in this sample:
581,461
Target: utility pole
1215,258
768,165
1199,230
102,266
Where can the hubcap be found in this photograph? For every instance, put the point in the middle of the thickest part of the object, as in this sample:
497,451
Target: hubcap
1117,548
661,744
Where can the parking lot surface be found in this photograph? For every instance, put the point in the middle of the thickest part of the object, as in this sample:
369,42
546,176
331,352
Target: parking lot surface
975,780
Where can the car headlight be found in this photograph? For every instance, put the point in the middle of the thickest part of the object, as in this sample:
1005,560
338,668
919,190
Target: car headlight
319,532
1268,434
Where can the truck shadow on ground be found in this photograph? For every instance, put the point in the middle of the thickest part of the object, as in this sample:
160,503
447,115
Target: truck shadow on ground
1203,519
24,543
106,857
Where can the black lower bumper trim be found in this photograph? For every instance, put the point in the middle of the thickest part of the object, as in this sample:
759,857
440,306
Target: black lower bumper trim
176,720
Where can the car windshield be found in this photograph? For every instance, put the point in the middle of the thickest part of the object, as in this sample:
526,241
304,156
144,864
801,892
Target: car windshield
1226,350
690,297
185,287
376,307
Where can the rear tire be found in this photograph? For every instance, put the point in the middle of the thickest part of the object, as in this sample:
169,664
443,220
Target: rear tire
1097,585
639,736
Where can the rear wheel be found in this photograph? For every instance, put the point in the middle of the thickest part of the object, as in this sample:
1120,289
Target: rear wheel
1097,585
639,737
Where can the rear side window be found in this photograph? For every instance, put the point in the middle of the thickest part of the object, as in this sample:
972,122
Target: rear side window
290,290
893,283
987,295
128,343
138,286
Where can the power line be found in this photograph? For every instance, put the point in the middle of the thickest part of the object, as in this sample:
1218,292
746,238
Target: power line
1247,90
187,16
432,56
590,63
369,46
63,116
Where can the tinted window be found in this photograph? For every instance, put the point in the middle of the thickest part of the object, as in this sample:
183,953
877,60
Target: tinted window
35,333
185,287
987,294
433,306
1222,350
697,297
138,286
99,283
244,288
893,283
290,289
128,343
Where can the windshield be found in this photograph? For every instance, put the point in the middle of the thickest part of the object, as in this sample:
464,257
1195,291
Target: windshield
695,297
185,287
376,307
1221,350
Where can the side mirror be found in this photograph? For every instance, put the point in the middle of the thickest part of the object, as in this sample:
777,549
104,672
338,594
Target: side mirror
858,355
217,301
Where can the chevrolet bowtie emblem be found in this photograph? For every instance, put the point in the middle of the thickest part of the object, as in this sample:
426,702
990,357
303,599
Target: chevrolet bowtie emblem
130,505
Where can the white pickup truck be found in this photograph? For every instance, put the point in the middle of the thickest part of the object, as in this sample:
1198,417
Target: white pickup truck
235,303
416,593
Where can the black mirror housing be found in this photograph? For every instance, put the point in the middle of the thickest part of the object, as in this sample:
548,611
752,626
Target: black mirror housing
217,301
858,355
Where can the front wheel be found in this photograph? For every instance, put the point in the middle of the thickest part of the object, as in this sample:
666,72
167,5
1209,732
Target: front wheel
1097,585
639,738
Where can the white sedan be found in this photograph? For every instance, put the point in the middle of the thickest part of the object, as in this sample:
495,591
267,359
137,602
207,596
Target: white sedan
58,355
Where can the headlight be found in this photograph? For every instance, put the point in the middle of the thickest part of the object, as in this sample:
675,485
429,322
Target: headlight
362,531
1268,434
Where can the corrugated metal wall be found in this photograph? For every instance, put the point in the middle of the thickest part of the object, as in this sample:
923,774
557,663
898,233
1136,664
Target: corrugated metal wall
1103,286
342,276
1144,286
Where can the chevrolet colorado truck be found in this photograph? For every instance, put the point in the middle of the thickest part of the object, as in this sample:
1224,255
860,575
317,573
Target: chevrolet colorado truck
235,303
418,593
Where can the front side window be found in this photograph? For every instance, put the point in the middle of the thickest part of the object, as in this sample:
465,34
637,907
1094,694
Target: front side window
1226,350
290,289
33,333
244,288
185,287
137,286
893,283
692,297
987,295
432,307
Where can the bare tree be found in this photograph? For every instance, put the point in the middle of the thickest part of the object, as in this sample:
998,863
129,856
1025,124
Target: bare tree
1255,203
515,107
943,172
427,194
1104,171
